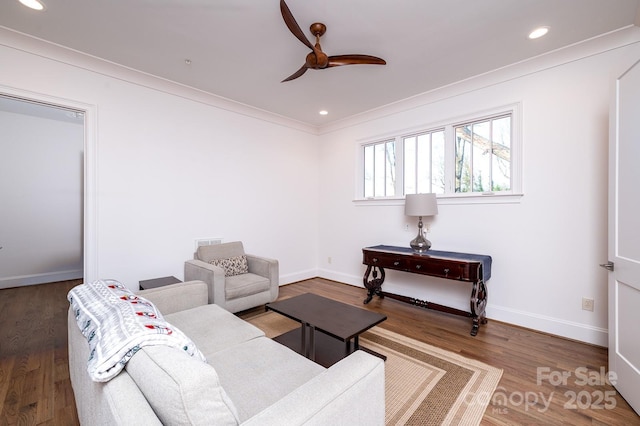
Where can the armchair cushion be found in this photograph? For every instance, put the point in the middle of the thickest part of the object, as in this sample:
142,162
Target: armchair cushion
236,265
245,285
220,251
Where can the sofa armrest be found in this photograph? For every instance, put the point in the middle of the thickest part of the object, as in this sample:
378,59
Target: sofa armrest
212,275
177,297
116,402
349,392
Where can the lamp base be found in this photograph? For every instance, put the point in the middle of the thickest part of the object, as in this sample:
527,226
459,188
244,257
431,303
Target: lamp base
420,244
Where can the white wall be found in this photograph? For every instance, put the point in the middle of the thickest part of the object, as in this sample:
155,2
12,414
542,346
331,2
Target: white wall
545,248
173,164
41,192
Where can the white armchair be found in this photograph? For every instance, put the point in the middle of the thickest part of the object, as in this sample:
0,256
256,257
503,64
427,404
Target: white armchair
236,280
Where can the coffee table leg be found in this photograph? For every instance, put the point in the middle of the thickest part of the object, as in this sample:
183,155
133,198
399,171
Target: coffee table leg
312,343
303,340
347,346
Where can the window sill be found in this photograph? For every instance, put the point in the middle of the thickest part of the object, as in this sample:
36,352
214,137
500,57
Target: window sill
446,200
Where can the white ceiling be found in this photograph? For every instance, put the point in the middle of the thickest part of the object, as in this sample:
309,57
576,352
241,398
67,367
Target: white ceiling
241,49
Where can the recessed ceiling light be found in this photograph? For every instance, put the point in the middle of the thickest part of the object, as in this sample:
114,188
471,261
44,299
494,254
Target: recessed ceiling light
33,4
538,32
323,112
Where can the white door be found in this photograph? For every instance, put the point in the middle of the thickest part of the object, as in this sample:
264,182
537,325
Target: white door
624,236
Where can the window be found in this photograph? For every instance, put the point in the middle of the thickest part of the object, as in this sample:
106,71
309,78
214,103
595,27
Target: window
470,157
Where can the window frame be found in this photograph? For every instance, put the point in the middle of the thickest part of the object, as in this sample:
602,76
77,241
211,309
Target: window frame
448,125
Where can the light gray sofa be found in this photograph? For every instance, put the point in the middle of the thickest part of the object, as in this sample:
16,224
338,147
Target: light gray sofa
239,292
248,378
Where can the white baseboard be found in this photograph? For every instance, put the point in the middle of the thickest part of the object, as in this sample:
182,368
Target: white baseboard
557,326
340,277
298,276
34,279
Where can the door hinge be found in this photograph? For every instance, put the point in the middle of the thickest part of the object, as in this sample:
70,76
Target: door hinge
609,265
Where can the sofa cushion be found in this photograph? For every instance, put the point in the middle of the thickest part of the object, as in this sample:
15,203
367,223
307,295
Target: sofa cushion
213,328
245,285
232,265
180,389
259,372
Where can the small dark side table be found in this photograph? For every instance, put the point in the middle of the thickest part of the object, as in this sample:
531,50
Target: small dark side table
158,282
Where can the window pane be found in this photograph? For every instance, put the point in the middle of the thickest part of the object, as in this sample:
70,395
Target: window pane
437,162
501,155
463,159
481,160
424,164
368,171
409,165
379,170
390,167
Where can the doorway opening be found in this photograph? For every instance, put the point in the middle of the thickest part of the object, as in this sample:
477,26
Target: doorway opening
42,162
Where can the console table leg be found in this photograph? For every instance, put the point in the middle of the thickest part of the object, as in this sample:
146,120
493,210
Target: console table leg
478,305
474,327
373,286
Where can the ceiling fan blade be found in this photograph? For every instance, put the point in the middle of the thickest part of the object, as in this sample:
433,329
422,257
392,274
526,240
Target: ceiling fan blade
296,74
335,61
293,25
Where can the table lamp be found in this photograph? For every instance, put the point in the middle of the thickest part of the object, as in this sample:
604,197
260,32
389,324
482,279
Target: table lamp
420,205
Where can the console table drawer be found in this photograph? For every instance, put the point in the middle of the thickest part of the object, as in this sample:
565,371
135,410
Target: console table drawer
451,269
385,261
438,269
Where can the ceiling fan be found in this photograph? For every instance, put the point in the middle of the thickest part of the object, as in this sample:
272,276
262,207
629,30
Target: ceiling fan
317,59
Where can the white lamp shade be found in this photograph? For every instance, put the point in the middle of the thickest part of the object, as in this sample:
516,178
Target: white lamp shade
421,205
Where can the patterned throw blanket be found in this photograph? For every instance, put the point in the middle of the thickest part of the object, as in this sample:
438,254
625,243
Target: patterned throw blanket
117,323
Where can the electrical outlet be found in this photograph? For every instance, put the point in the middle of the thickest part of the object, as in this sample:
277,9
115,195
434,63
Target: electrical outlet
406,227
587,304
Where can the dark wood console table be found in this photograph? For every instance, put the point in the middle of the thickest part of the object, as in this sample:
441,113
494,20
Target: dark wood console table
473,268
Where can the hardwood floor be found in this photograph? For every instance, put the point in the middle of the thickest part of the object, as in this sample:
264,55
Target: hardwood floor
34,374
519,352
35,387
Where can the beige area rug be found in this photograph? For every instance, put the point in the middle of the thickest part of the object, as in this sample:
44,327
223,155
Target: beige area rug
425,385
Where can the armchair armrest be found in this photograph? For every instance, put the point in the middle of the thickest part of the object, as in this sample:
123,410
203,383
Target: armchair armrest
263,266
268,268
212,275
177,297
349,392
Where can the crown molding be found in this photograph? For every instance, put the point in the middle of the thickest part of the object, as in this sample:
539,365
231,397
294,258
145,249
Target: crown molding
55,52
584,49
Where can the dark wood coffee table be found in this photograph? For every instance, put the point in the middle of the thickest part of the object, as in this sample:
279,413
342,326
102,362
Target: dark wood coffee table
339,326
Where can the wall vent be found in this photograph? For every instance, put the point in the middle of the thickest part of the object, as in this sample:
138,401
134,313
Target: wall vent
207,242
